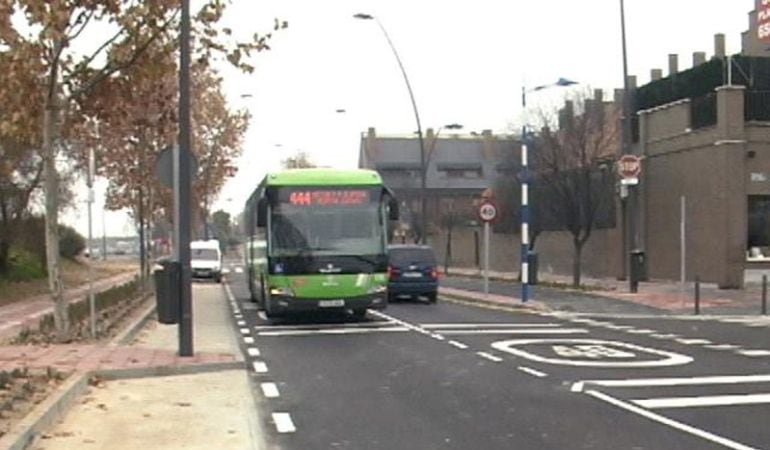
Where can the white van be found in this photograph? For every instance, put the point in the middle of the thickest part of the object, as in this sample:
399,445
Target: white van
206,259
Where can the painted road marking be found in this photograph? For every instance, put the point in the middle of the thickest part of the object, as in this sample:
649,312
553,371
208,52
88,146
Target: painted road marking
459,345
722,347
520,331
253,351
490,357
322,326
245,331
270,390
259,367
641,331
591,351
670,422
248,340
283,423
693,341
431,326
754,352
710,400
241,323
534,372
331,331
680,381
668,358
437,336
262,315
664,336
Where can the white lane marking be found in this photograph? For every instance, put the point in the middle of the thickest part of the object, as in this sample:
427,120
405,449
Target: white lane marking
259,367
248,340
754,352
682,381
323,326
534,372
664,336
723,347
238,316
283,423
437,336
431,326
245,331
331,331
641,331
669,358
670,422
710,400
270,390
520,331
262,315
490,357
686,341
621,327
241,323
253,351
459,345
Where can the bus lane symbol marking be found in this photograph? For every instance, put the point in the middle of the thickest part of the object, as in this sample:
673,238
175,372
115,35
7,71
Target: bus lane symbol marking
601,353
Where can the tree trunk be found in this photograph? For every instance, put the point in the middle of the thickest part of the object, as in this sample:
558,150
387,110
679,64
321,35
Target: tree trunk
576,263
142,247
5,247
51,185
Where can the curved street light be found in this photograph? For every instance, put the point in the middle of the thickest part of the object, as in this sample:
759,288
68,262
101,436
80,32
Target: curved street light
423,219
525,211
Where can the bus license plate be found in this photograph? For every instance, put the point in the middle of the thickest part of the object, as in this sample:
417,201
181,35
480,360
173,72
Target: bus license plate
331,303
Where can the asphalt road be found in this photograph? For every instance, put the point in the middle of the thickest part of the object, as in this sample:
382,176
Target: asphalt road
451,376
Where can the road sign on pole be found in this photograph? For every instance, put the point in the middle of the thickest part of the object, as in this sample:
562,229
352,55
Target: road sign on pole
487,211
629,166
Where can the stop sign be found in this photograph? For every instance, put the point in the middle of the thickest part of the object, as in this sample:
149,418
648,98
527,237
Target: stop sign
629,166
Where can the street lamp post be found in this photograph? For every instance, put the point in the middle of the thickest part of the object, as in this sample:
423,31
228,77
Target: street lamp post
525,207
627,201
423,169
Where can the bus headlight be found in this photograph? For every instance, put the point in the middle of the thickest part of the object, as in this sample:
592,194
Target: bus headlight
282,291
379,289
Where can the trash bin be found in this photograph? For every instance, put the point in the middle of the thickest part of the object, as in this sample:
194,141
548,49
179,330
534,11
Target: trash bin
637,268
167,291
532,259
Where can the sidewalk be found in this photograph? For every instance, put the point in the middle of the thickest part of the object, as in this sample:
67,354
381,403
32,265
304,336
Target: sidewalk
149,396
667,296
28,312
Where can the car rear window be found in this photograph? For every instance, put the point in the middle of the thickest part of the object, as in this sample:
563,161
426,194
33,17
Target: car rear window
411,255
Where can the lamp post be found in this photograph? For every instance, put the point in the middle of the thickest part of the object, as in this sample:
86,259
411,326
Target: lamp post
525,211
423,220
627,200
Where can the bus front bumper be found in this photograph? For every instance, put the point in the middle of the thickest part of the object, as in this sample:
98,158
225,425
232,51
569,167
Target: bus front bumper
287,304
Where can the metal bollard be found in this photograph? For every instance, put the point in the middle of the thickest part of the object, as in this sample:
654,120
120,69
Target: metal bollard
764,295
697,295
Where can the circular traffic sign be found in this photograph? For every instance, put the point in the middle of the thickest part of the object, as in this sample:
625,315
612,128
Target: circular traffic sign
487,211
629,166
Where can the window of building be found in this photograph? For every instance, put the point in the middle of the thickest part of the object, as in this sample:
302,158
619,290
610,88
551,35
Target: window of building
758,244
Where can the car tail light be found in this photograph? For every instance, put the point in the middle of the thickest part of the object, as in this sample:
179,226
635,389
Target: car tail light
393,272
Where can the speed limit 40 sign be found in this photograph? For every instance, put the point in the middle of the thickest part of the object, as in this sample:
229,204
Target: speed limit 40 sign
487,211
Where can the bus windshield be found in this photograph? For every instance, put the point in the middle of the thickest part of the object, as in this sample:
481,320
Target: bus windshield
327,230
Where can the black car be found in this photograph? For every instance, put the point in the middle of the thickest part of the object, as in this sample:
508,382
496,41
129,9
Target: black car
412,272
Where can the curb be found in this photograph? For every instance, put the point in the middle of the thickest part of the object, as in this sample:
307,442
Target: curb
45,414
532,307
166,371
129,333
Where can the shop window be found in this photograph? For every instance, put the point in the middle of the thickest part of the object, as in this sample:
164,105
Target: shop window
758,243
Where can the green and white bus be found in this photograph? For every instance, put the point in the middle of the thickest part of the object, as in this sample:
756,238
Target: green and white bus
317,240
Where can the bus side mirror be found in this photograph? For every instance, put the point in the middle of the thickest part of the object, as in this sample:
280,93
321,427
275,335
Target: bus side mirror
393,209
262,213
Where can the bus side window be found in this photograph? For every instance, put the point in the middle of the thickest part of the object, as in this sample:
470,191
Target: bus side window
262,213
393,208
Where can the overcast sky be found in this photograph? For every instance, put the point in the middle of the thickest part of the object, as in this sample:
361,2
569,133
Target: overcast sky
466,61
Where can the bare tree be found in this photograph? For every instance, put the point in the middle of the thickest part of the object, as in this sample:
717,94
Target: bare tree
573,168
300,160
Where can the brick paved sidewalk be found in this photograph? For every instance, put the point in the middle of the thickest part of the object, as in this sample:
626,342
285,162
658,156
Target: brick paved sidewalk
661,294
27,313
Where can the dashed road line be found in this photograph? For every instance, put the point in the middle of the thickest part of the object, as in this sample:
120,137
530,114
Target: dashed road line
490,357
248,340
253,351
534,372
664,336
722,347
259,367
686,341
754,352
245,331
431,326
283,422
520,331
241,323
437,336
270,390
331,331
459,345
641,331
